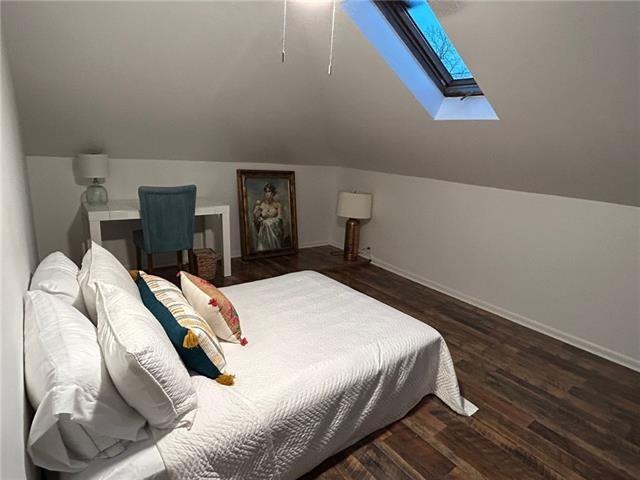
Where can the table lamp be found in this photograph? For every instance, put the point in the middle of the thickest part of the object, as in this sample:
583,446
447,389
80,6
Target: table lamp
94,166
354,206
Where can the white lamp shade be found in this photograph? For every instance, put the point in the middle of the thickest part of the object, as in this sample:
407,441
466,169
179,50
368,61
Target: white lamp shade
93,165
354,205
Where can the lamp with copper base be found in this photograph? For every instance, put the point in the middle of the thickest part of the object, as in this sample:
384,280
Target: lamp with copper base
354,206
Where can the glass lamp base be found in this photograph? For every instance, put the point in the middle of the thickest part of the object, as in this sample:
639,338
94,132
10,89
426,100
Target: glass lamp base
97,194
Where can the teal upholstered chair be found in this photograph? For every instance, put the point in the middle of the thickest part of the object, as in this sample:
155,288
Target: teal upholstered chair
167,215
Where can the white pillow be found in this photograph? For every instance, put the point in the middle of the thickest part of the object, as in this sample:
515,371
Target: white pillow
142,362
58,276
79,413
99,265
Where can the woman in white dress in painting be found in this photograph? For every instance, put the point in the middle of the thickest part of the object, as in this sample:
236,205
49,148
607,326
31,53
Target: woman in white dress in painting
267,217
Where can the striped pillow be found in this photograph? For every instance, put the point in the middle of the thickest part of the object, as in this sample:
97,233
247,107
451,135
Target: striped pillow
189,333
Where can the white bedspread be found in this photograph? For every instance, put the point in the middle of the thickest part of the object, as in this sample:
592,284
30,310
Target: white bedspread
324,367
140,461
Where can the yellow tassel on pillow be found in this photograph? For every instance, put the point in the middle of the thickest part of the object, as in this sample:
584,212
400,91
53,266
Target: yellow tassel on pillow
134,274
225,379
190,340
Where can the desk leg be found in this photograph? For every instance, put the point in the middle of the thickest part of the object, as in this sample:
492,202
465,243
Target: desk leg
94,232
208,231
226,242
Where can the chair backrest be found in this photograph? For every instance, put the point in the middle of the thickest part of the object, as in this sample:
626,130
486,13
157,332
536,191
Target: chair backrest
167,215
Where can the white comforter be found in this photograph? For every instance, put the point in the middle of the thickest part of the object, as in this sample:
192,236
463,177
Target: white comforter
324,367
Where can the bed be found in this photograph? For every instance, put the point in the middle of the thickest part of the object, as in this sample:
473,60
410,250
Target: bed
324,367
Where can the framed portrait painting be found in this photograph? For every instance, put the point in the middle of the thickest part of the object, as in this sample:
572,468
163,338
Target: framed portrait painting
268,222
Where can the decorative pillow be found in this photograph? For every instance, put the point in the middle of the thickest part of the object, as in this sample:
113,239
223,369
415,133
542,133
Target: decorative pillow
142,363
58,276
214,307
99,265
190,334
79,413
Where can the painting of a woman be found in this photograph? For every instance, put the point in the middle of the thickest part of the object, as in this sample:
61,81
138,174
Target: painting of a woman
267,217
267,213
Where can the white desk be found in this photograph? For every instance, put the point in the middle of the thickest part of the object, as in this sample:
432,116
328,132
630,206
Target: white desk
130,210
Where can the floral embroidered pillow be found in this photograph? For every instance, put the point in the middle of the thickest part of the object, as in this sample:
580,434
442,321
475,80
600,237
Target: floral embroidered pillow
213,306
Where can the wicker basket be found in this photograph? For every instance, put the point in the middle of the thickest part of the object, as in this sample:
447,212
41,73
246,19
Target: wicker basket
205,261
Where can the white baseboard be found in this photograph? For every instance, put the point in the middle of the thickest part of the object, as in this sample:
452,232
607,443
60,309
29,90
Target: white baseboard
578,342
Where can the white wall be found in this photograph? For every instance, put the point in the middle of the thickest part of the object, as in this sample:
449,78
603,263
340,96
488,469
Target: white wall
566,267
17,254
56,196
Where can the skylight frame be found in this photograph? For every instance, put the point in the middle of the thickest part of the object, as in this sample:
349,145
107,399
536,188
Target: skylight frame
399,18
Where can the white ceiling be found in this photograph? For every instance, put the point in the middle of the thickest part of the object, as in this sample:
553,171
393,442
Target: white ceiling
203,81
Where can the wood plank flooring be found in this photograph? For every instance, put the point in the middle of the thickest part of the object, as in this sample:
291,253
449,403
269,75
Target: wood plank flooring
547,410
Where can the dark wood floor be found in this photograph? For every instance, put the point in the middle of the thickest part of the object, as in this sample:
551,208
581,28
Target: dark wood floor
547,410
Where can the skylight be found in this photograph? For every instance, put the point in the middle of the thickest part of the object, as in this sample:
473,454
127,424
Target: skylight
421,13
394,32
418,27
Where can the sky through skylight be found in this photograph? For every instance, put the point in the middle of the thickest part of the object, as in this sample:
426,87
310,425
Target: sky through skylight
426,20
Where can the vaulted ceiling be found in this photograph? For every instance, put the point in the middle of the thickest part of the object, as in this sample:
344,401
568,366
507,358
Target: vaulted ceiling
204,81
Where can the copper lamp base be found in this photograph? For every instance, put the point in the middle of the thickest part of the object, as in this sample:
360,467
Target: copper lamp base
351,240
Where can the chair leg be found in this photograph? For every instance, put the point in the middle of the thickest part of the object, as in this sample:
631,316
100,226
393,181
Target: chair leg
192,262
138,258
150,262
179,259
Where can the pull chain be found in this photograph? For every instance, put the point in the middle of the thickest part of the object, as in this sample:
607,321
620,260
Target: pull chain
333,27
284,27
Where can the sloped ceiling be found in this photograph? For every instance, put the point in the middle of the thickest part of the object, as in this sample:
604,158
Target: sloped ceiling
203,81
